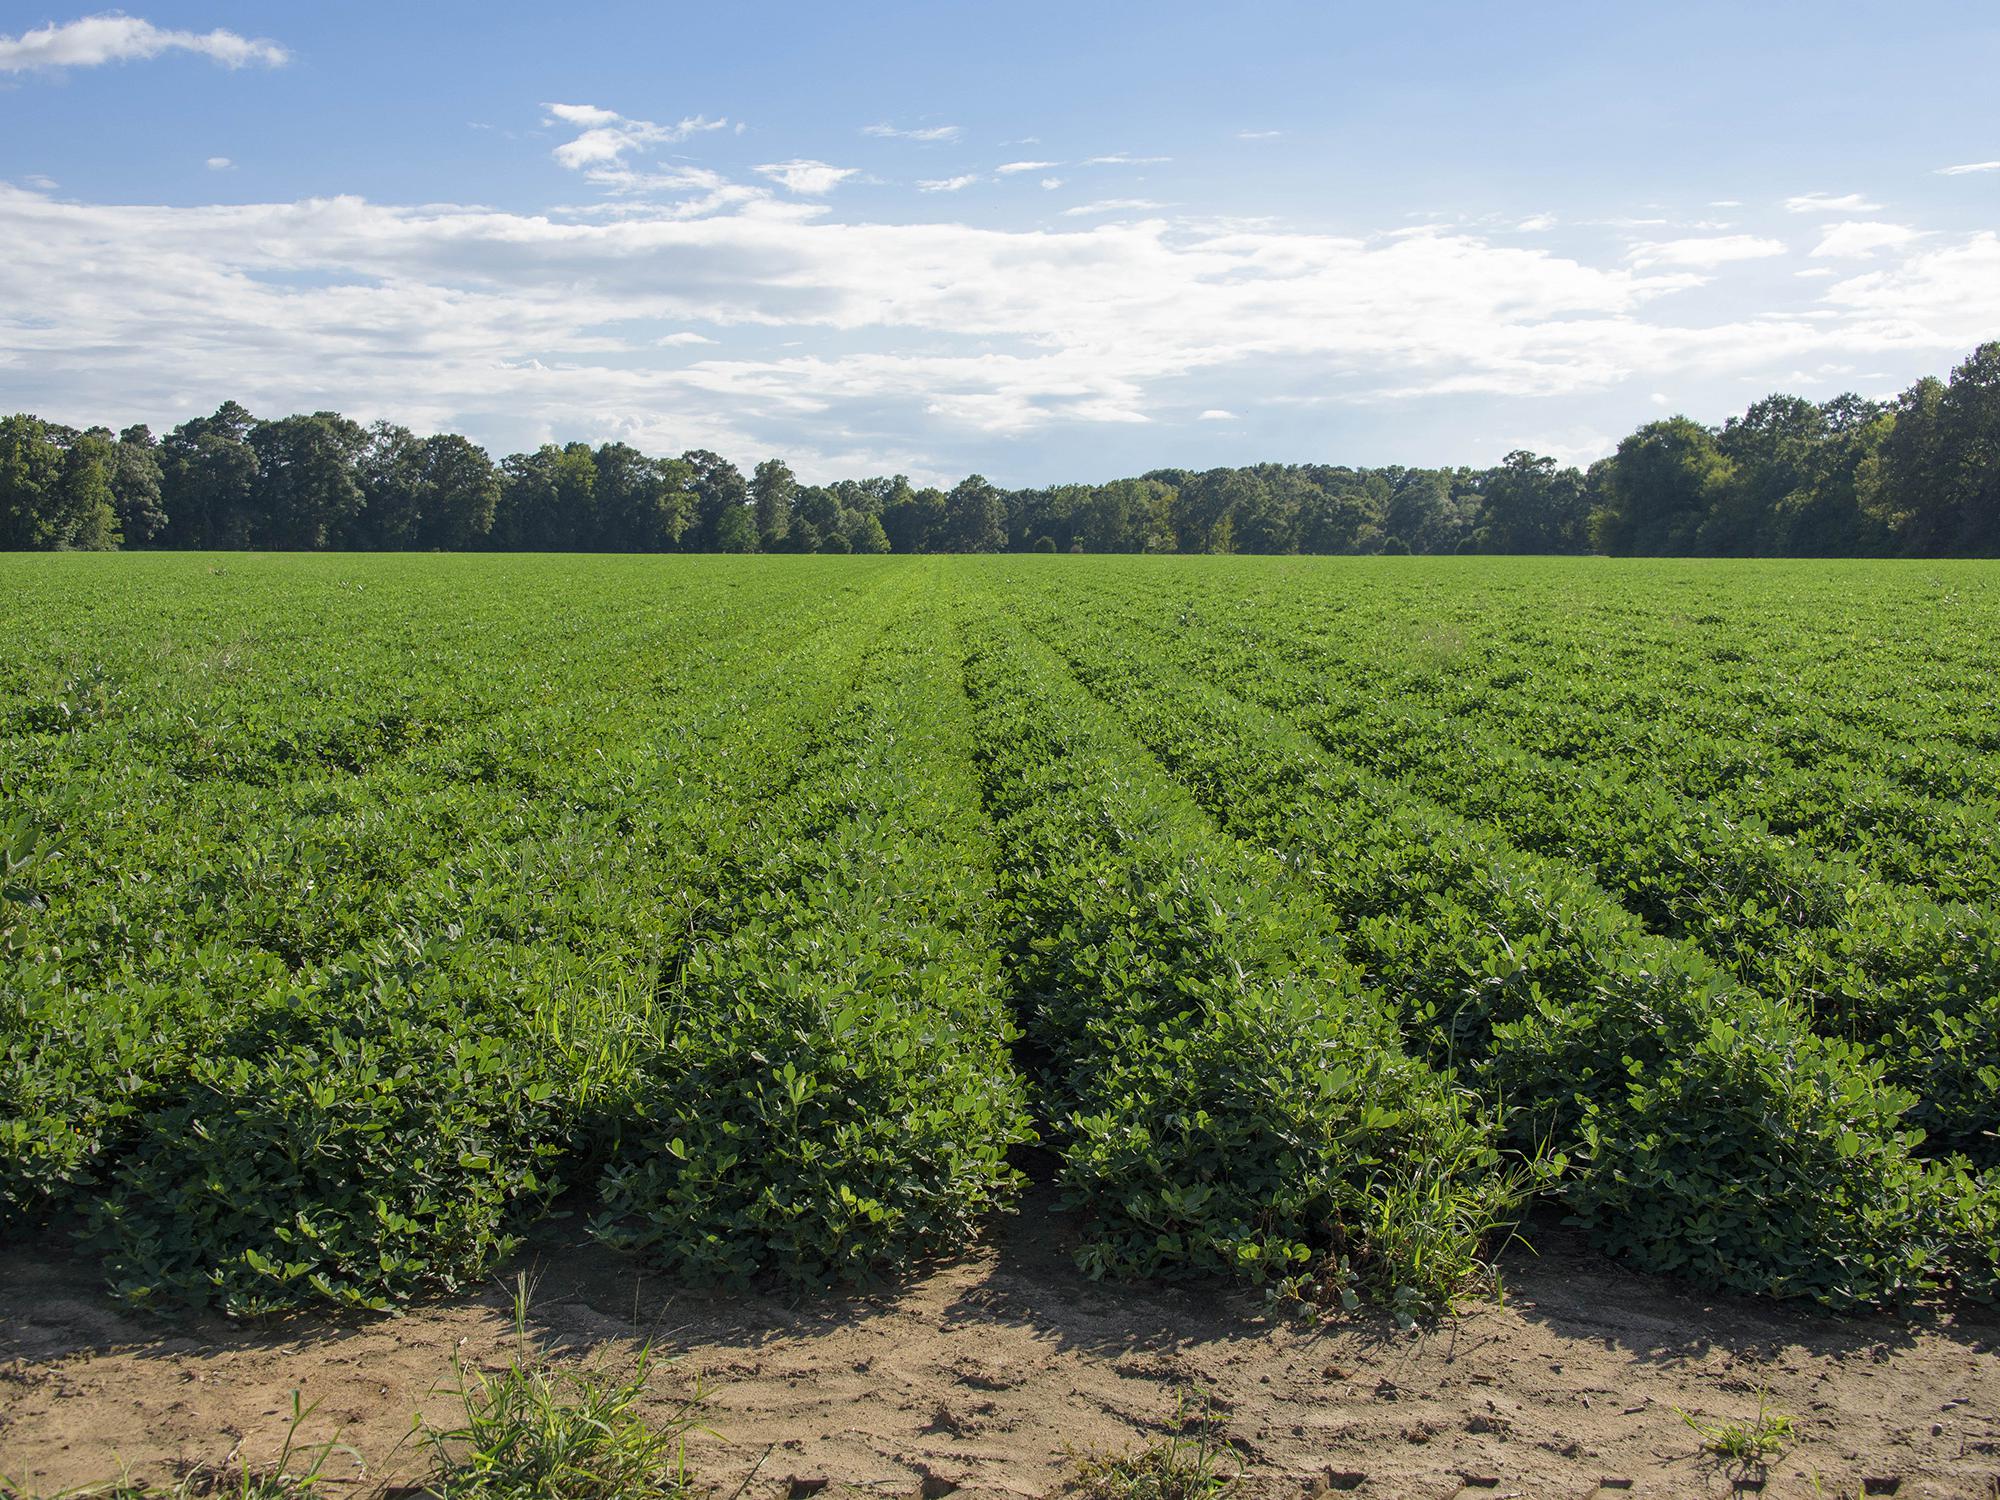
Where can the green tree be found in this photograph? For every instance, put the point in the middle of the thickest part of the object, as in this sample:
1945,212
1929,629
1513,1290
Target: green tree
719,491
461,491
84,517
1528,505
914,520
307,489
391,475
735,530
1661,486
975,517
208,474
136,485
772,490
31,467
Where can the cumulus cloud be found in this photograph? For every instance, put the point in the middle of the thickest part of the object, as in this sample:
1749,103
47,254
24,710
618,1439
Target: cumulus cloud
1830,203
114,37
948,184
1857,240
810,177
1216,414
1705,252
1964,169
220,164
1052,182
920,133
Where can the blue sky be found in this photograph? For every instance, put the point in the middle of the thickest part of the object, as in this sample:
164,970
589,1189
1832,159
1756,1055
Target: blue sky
1040,241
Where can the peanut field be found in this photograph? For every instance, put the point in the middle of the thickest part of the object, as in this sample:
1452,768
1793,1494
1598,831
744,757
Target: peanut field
1308,923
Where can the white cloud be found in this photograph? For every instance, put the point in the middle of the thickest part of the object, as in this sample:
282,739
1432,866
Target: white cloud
1258,135
948,184
1052,182
1008,169
1829,203
1123,159
682,340
810,177
1111,206
919,133
1857,240
607,137
1725,203
1704,252
1965,168
36,179
1535,223
932,335
1216,414
1954,287
96,40
220,164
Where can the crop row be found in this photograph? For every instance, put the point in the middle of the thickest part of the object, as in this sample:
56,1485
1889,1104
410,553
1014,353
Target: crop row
375,1113
1224,1091
1710,1131
1866,959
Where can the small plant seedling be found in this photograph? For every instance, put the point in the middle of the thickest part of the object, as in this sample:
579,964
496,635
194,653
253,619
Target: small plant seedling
1765,1436
1192,1464
539,1430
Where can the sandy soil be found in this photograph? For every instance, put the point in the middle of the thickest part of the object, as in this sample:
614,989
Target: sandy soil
980,1378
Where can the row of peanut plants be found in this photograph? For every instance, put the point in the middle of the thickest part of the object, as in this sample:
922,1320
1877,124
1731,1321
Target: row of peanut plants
1709,1130
1867,959
1225,1093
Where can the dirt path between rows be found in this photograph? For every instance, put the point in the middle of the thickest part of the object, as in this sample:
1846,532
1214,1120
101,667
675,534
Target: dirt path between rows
978,1378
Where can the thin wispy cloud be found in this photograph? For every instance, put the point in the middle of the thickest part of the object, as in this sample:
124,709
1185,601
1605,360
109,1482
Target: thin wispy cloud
947,184
1829,203
1009,169
813,178
1051,183
1123,159
1965,169
1861,240
606,138
220,164
113,37
1258,135
926,133
1704,252
1111,206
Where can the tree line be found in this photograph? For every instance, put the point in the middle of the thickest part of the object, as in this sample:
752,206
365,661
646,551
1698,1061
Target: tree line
1915,476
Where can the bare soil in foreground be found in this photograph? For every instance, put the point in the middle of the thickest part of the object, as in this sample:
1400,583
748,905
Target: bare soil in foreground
987,1376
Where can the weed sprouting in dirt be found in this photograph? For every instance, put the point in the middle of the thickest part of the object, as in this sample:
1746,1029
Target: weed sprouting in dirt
1193,1463
543,1429
1744,1444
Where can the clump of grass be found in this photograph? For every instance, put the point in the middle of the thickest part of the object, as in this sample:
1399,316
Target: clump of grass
539,1430
1194,1463
1765,1436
